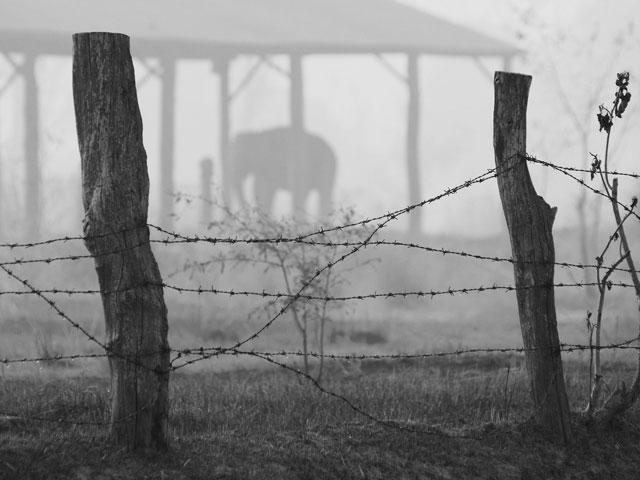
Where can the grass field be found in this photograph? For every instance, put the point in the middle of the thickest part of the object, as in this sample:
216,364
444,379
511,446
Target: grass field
239,418
268,423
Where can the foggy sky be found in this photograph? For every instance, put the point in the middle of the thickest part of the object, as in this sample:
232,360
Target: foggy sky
360,108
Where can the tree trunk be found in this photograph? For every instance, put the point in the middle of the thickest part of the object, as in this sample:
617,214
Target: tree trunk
115,191
530,220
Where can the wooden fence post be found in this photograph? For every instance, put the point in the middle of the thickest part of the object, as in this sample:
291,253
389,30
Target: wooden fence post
530,220
115,191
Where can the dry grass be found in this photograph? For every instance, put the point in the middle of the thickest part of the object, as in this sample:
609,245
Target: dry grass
242,420
267,423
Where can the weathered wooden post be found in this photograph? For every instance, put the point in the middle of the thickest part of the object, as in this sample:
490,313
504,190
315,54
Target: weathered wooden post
115,191
206,173
530,220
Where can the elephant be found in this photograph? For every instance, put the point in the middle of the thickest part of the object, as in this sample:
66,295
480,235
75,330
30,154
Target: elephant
280,158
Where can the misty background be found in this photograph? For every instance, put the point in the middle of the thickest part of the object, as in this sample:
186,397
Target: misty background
572,48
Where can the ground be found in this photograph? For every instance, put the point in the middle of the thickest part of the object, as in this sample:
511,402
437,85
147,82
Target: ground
263,424
244,419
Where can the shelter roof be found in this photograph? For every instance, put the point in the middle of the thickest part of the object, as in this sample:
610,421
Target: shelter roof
206,28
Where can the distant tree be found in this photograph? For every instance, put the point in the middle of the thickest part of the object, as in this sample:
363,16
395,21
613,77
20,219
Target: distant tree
622,397
577,64
310,266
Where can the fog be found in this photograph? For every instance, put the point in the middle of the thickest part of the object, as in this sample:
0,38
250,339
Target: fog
355,102
355,113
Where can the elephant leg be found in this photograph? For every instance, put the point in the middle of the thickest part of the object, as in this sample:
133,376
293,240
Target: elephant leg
299,197
265,192
324,204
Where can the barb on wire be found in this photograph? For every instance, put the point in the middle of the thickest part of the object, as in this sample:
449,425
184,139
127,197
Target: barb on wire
76,325
68,238
566,172
53,305
564,347
53,358
270,358
411,245
49,260
385,220
579,170
491,173
321,298
394,243
181,353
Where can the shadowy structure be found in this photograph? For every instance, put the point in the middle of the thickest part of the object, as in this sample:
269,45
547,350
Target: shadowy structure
220,31
276,162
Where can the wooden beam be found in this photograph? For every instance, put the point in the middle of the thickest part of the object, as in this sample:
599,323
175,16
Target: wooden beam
31,148
413,129
206,174
506,63
297,171
167,141
221,66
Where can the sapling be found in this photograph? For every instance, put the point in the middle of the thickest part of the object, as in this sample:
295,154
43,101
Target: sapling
296,263
621,398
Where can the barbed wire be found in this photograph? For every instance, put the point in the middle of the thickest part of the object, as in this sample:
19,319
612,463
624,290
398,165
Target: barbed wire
393,215
69,238
393,243
566,171
412,245
53,358
202,353
71,257
179,238
579,170
563,347
222,350
270,357
320,298
76,325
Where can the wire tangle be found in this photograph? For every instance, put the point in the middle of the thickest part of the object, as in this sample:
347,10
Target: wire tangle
184,357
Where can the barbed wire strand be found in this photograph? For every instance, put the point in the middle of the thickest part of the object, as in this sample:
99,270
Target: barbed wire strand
69,238
77,326
220,350
562,170
321,298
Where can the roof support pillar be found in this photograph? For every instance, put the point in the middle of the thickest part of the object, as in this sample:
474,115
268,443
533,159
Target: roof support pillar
221,67
31,147
413,129
167,141
506,63
297,168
